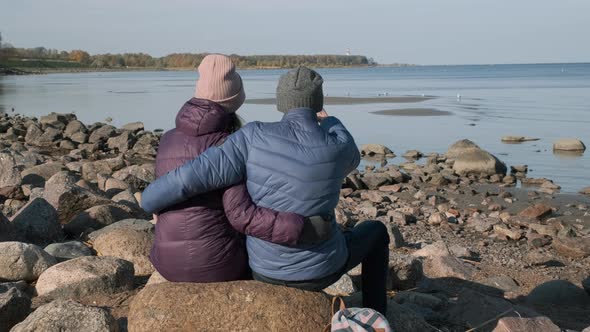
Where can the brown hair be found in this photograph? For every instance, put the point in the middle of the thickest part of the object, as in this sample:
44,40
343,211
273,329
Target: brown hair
235,123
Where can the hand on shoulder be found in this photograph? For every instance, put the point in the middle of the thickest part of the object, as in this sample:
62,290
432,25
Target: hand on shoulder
322,115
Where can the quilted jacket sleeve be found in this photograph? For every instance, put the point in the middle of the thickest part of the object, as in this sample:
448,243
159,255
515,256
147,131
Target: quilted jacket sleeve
350,153
216,168
246,217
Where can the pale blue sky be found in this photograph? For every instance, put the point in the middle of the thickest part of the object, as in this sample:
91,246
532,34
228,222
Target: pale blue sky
410,31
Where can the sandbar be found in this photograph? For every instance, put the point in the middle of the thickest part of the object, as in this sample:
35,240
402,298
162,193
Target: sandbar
352,100
413,112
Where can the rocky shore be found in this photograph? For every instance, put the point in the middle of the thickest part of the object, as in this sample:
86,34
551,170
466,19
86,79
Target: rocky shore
11,71
469,249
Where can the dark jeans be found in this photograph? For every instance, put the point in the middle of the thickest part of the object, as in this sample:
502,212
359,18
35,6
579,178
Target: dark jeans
368,243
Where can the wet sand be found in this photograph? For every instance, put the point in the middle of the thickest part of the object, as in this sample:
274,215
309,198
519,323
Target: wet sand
413,112
352,100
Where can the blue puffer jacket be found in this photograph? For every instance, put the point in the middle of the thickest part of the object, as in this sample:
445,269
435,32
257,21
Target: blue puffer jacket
294,165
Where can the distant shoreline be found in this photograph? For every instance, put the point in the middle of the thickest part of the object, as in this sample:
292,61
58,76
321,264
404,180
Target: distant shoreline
15,71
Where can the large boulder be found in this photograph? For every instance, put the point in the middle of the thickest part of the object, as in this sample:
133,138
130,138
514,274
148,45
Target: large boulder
518,324
569,144
439,262
37,223
460,147
405,272
37,175
412,154
29,159
448,267
137,176
401,318
80,138
85,276
68,316
559,293
438,248
21,261
471,159
228,306
114,186
122,142
140,225
56,120
537,211
68,198
90,170
133,126
575,247
50,137
102,134
473,308
146,145
67,144
127,198
128,244
375,180
74,127
15,305
37,137
33,134
68,250
96,218
370,150
9,173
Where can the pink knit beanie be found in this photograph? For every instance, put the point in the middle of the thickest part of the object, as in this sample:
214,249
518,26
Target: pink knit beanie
220,83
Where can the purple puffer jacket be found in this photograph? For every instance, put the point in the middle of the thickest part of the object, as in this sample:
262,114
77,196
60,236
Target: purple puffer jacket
195,240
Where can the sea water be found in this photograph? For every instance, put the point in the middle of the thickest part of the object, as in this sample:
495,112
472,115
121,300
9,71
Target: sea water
485,102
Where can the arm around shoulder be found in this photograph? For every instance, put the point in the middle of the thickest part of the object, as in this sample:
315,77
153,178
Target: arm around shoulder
216,168
266,224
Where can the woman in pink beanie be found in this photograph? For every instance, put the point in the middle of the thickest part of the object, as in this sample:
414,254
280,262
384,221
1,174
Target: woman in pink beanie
201,240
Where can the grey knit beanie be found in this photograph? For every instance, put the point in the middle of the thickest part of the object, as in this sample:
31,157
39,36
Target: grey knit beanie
300,87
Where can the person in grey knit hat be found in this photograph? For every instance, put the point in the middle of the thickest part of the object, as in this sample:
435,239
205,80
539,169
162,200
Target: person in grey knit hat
300,88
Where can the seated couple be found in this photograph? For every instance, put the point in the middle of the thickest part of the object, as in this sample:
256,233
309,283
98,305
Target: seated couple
278,183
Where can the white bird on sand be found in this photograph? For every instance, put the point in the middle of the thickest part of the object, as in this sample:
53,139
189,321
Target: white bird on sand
458,96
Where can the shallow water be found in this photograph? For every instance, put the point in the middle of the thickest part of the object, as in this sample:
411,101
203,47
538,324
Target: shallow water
544,101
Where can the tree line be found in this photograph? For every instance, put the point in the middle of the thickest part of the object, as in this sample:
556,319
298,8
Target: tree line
176,60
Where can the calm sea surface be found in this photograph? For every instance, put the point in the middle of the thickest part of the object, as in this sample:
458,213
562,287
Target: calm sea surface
544,101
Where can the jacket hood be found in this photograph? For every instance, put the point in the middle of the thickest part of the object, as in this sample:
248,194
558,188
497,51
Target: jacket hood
199,117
